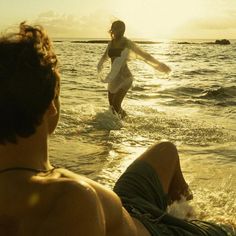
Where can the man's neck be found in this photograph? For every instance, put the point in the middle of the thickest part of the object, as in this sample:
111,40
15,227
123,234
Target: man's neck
29,152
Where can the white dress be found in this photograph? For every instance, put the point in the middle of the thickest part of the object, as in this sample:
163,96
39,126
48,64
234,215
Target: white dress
120,76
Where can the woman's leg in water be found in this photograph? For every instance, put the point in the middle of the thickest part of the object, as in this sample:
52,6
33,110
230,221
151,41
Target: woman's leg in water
116,99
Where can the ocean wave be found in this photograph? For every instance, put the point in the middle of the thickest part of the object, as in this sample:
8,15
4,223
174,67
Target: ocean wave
179,93
188,90
187,95
226,103
208,93
201,72
217,96
138,88
218,93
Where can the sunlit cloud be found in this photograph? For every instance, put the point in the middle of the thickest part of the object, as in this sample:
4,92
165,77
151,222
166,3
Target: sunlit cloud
149,19
62,25
209,27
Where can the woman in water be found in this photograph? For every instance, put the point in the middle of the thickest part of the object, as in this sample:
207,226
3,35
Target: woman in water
120,78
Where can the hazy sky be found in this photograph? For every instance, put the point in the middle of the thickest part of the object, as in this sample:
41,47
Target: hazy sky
153,19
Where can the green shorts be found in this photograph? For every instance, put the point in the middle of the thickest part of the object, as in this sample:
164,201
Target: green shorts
142,195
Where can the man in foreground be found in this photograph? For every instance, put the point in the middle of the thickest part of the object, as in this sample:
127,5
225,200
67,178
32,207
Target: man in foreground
38,199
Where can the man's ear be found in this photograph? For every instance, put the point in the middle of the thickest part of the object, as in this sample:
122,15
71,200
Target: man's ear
52,109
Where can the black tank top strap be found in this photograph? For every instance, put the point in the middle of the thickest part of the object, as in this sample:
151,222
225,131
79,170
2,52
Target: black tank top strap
116,51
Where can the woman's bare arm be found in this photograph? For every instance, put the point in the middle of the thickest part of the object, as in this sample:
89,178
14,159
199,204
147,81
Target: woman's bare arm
162,67
103,59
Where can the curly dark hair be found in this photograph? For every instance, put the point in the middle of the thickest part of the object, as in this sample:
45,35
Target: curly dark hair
28,79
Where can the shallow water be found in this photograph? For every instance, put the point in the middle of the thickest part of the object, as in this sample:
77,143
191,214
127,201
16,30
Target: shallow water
194,107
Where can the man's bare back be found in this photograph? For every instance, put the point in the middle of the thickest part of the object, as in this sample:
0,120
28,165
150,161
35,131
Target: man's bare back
62,203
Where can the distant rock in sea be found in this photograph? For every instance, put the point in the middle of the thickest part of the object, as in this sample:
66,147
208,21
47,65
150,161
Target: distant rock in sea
184,43
90,41
222,41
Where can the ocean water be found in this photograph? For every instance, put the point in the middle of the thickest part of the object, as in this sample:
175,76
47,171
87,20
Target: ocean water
194,107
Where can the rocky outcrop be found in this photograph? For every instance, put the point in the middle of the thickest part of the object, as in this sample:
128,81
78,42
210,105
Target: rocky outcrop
222,41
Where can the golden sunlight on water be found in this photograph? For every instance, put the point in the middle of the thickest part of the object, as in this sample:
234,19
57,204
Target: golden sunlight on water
194,108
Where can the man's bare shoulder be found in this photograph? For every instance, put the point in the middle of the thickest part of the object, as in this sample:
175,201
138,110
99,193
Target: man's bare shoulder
75,206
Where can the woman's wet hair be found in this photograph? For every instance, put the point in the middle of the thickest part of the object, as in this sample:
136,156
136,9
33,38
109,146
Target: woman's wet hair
117,29
28,79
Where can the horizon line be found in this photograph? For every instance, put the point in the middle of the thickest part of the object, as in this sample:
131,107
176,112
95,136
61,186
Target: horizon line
142,41
136,38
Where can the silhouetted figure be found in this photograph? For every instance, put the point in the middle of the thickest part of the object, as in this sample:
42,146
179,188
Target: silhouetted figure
120,78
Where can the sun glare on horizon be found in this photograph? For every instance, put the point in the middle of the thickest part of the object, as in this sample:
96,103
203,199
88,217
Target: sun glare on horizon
145,19
155,18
